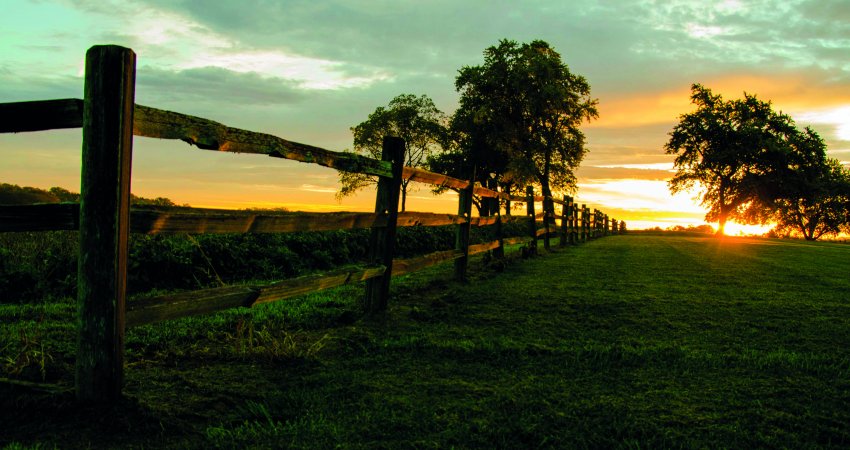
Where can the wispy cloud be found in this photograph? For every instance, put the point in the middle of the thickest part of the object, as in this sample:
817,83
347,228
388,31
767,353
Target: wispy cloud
314,188
837,117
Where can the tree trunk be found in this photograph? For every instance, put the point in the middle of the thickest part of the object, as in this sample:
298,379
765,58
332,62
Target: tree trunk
548,210
721,225
506,188
403,197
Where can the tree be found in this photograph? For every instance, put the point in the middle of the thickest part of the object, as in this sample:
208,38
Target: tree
414,119
64,195
736,152
815,203
520,113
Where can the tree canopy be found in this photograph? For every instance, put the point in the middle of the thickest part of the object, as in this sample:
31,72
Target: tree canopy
519,116
754,165
816,202
414,119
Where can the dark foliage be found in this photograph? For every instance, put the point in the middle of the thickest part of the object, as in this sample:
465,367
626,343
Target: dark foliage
39,266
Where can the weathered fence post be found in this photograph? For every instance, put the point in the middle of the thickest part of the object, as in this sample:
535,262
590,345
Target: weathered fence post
613,226
107,156
382,241
574,225
498,252
597,223
585,222
464,209
607,224
602,224
565,208
532,219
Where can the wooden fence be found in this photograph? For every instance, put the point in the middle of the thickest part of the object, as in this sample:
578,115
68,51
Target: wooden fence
109,119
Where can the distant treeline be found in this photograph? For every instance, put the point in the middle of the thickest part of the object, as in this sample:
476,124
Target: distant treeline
12,194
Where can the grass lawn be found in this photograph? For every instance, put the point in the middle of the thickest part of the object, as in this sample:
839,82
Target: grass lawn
625,342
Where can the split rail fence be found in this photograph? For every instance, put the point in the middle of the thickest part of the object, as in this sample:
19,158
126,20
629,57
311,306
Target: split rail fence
109,119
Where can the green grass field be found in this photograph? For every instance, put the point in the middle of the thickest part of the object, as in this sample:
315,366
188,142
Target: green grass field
625,342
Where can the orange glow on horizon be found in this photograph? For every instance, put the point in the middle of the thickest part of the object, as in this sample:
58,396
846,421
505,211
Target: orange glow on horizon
737,229
790,93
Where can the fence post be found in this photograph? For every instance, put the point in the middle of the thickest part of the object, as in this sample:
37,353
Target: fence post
574,225
107,155
577,223
546,210
607,224
498,252
613,226
597,223
532,220
601,224
565,208
464,209
585,222
382,241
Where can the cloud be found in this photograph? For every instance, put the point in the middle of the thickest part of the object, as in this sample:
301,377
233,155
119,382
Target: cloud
15,86
781,34
839,118
213,85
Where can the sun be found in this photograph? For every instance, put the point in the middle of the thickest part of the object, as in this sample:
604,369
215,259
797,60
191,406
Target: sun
737,229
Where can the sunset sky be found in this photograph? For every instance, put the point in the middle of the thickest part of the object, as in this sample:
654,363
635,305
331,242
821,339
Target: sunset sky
309,70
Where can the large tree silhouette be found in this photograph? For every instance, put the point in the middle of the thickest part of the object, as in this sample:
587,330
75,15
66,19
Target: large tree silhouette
755,166
729,150
520,113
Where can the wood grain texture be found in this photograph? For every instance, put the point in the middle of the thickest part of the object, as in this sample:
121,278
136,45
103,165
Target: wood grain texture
312,283
485,193
437,179
480,248
209,135
65,216
404,266
206,301
41,115
186,304
107,154
410,219
464,209
483,221
382,240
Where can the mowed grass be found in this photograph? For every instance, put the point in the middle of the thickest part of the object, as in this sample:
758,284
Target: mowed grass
629,341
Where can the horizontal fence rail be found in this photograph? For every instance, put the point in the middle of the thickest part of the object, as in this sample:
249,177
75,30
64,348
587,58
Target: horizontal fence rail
110,71
65,216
